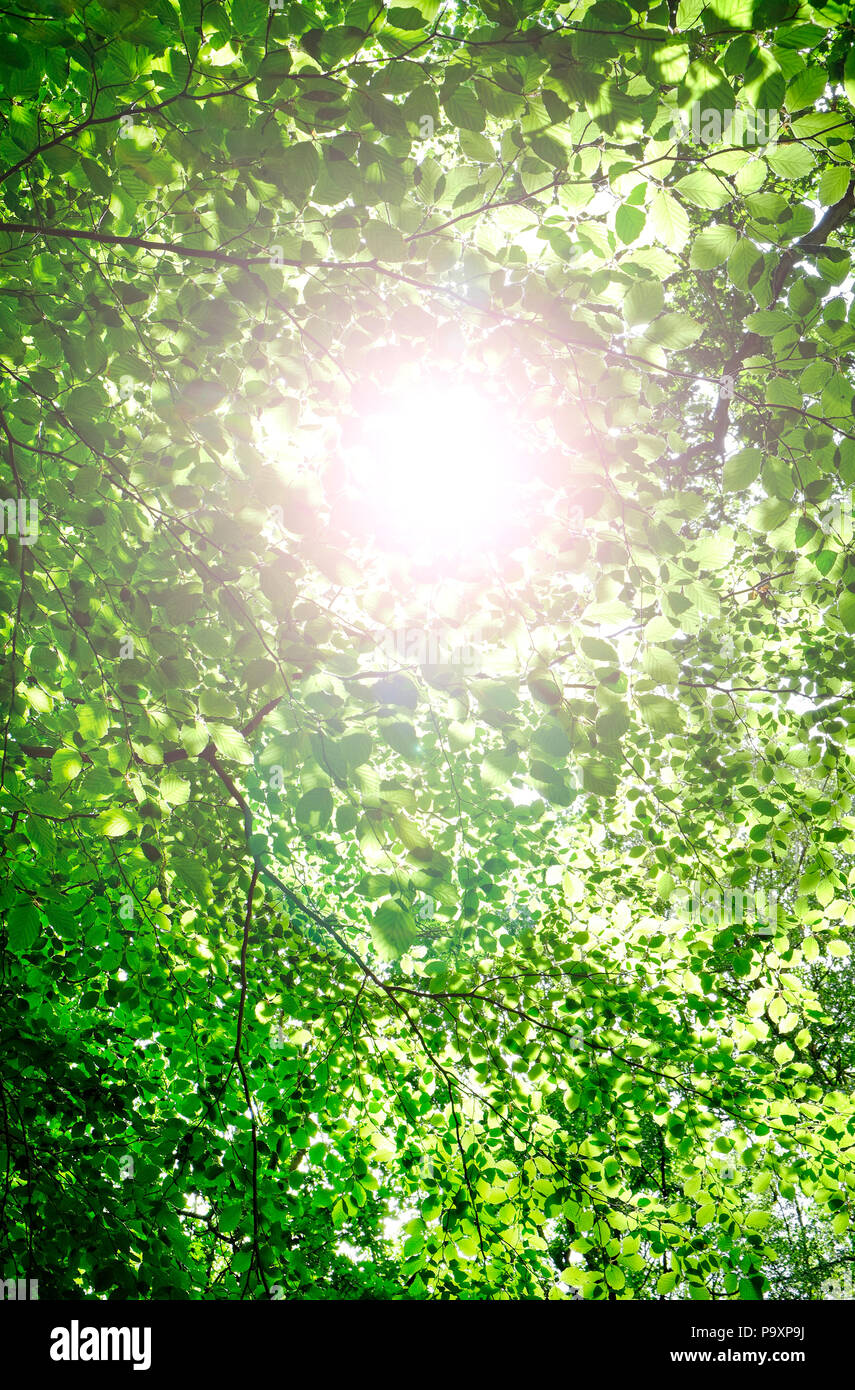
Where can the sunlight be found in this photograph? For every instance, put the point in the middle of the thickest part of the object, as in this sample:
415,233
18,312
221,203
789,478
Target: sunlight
435,471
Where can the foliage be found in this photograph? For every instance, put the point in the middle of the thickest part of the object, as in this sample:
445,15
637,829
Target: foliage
269,1027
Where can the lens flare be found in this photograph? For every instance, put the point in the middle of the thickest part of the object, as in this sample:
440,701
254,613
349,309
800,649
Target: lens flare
434,468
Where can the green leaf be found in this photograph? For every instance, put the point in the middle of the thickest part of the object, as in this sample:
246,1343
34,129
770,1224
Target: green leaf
791,161
174,789
782,391
712,246
743,263
833,183
703,190
463,108
393,930
629,222
193,875
757,1220
598,650
230,743
768,321
643,302
769,514
23,926
65,765
314,808
498,767
846,610
668,221
741,469
849,75
298,170
385,242
675,330
806,87
764,84
114,823
661,666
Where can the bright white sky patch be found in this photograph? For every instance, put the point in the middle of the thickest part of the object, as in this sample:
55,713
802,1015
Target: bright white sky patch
434,468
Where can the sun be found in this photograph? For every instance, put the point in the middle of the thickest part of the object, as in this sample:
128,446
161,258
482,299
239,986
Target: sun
435,470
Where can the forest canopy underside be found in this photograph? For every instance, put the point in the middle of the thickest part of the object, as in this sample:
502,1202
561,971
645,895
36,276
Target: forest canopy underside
428,621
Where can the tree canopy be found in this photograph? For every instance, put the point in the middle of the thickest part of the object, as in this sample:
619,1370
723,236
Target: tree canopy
386,917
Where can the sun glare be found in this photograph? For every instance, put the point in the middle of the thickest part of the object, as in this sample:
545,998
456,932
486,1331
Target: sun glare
435,471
